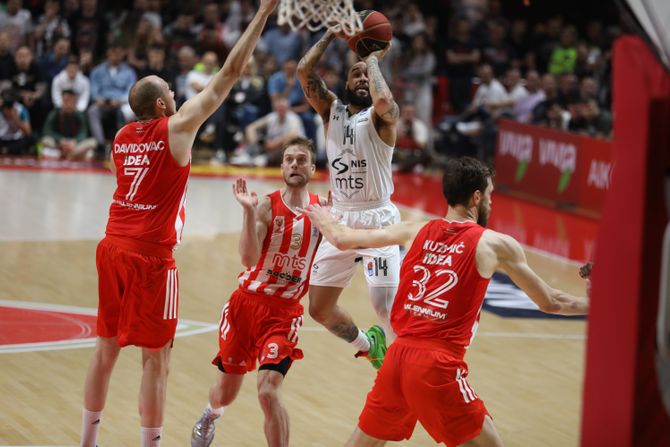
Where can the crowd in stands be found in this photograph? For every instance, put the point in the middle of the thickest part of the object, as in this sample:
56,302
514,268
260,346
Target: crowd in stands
455,67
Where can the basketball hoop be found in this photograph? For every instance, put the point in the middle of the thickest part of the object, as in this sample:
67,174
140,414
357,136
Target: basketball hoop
335,15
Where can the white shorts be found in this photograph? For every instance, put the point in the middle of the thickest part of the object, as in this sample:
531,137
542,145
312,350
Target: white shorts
335,268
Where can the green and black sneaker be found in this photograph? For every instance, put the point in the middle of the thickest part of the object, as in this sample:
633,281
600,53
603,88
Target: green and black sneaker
377,338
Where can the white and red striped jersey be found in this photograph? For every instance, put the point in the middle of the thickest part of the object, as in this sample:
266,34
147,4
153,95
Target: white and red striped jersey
287,254
151,187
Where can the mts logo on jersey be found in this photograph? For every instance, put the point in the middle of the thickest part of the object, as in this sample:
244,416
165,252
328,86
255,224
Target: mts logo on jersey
348,172
295,262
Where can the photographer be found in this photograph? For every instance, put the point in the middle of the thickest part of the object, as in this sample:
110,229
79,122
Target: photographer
15,129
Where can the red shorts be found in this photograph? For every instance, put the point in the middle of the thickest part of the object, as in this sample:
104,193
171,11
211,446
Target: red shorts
138,294
259,327
424,381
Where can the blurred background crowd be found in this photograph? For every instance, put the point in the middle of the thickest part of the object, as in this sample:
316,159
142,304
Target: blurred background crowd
456,67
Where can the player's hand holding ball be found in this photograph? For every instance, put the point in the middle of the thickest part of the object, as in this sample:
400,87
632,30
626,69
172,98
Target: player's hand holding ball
376,34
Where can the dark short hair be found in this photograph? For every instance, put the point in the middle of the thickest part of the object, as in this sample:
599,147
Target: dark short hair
462,177
142,97
300,141
68,91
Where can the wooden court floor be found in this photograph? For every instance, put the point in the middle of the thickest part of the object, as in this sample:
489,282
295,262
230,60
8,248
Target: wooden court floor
528,372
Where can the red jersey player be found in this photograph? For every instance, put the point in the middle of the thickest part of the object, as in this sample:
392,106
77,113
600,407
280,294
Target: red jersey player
261,319
138,281
443,280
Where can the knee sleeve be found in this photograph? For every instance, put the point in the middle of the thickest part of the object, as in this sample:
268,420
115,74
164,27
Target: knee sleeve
382,301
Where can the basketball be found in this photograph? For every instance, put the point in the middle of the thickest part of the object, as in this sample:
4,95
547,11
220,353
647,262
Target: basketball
376,34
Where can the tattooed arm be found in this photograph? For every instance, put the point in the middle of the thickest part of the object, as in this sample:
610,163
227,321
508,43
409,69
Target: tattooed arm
315,89
385,108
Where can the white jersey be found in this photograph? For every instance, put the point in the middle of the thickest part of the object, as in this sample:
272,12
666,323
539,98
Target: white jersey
359,162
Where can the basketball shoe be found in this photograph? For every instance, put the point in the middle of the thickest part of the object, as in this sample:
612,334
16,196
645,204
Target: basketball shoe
377,339
202,434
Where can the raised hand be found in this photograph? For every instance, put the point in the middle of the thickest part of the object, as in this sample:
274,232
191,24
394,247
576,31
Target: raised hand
269,4
247,199
379,54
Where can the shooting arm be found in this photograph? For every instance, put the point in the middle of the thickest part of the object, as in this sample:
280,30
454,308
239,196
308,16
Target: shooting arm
382,99
315,89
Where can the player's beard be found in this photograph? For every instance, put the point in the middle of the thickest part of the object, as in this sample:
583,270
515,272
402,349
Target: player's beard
353,99
483,216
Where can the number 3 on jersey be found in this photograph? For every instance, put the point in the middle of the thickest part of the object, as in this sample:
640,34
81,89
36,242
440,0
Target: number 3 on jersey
422,284
138,175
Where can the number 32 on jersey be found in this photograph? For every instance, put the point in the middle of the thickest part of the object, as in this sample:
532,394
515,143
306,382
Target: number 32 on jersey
447,279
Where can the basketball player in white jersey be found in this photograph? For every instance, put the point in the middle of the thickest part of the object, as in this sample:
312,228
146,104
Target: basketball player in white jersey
360,137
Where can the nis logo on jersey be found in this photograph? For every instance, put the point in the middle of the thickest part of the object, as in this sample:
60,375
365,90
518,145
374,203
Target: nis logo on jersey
345,171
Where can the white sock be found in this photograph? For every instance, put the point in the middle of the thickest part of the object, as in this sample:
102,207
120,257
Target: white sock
361,342
217,411
151,437
90,423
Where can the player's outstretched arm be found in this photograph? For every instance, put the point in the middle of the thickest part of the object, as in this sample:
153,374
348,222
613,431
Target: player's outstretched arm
512,260
343,237
196,110
316,92
254,222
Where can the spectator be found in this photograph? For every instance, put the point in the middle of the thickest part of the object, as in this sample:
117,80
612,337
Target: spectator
148,35
6,60
186,59
418,77
89,30
283,84
196,80
110,84
55,60
413,21
588,89
515,86
589,119
247,101
266,135
27,79
498,53
200,75
411,142
282,43
523,107
212,32
182,32
564,57
71,78
15,129
50,28
554,116
462,58
156,65
568,89
519,40
550,89
65,132
18,23
490,96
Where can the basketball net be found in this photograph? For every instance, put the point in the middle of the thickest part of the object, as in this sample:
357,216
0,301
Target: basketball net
335,15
